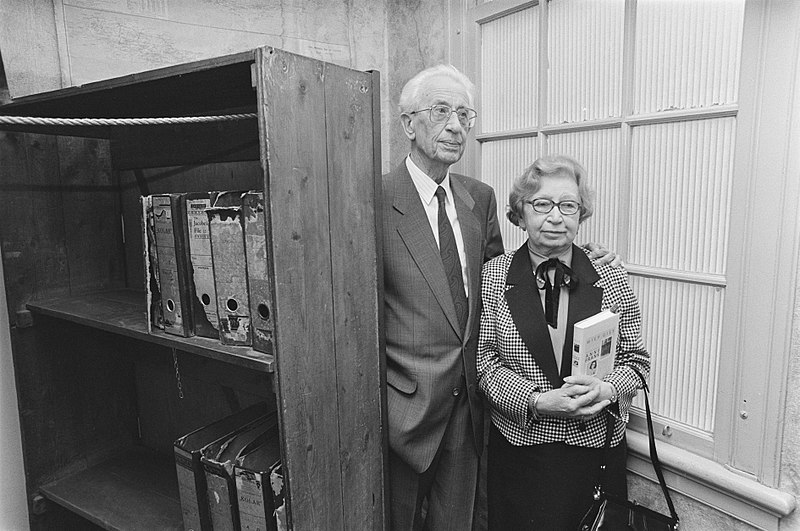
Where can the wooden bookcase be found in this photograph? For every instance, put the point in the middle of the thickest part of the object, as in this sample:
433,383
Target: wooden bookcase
101,400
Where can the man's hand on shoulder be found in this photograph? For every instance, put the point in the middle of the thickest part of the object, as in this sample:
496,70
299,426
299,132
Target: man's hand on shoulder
603,256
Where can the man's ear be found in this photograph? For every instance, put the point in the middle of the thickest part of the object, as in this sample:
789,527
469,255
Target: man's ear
408,126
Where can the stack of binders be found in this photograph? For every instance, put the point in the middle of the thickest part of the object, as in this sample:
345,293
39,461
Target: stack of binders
207,266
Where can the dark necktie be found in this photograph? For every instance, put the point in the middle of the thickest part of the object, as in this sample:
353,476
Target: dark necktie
451,262
563,276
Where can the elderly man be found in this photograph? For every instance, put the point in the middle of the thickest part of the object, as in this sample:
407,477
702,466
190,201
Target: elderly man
438,230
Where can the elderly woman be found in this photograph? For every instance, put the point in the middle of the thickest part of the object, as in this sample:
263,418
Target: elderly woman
548,427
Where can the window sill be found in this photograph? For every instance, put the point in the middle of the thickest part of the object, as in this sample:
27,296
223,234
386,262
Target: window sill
710,483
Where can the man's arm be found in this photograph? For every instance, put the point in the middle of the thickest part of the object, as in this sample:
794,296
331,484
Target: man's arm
494,240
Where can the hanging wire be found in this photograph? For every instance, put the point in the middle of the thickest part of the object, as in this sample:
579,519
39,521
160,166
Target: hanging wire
104,122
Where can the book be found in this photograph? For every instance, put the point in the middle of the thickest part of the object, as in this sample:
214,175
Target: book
173,267
594,344
202,293
188,452
155,315
218,460
258,278
252,477
226,230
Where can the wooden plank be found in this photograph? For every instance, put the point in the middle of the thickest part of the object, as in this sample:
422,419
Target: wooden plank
135,490
77,397
32,234
122,312
173,145
291,109
208,391
352,195
91,213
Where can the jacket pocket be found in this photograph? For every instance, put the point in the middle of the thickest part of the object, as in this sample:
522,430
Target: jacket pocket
400,382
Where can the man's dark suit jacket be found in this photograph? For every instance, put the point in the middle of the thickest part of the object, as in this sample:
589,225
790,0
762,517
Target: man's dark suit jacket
426,353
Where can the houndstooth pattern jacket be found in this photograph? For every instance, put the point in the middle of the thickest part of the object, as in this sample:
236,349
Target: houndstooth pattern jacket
515,354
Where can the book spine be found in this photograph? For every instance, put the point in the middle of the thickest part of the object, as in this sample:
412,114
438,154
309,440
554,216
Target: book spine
192,505
202,294
260,290
175,318
578,351
155,315
230,274
220,492
255,502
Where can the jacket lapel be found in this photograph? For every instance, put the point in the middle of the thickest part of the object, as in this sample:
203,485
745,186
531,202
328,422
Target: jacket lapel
415,231
585,300
522,296
471,233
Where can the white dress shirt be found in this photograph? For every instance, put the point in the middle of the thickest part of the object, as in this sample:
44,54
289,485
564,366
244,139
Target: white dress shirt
426,187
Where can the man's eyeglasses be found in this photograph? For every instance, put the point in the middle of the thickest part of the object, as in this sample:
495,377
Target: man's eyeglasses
441,114
543,206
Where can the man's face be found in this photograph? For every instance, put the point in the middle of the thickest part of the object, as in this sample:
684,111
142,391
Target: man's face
437,145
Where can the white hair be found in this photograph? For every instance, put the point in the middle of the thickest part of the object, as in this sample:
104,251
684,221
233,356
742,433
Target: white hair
410,94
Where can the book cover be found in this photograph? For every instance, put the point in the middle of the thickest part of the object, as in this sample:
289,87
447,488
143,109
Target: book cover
251,474
226,229
259,288
152,289
218,461
594,344
191,478
202,294
173,268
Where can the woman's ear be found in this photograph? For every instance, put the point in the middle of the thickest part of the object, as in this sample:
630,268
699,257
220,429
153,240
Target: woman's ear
408,126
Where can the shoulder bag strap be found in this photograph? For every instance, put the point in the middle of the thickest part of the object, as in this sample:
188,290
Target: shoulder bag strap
653,453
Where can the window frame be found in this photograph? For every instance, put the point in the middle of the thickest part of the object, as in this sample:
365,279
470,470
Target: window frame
742,463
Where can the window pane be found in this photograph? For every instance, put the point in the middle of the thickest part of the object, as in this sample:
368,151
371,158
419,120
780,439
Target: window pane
680,192
509,64
502,161
585,60
598,152
681,327
687,54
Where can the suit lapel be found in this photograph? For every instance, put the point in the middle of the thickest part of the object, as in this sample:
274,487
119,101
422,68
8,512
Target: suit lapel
522,296
415,231
585,300
471,233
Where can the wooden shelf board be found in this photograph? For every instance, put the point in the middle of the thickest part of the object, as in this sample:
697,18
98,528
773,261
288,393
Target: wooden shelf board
134,490
123,312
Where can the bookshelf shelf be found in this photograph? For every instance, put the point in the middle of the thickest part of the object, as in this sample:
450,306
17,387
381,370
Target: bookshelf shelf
136,489
123,312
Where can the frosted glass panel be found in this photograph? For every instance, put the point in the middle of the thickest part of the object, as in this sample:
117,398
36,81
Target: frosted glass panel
687,54
680,194
501,162
509,48
681,327
598,152
585,60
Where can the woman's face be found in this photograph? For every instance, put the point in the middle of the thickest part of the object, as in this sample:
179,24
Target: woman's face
552,234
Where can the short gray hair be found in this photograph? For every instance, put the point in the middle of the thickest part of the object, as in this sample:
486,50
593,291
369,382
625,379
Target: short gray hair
527,184
410,94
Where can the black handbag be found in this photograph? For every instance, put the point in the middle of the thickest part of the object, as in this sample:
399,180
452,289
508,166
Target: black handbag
612,513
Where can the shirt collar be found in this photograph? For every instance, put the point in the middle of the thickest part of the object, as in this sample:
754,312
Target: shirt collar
537,258
426,187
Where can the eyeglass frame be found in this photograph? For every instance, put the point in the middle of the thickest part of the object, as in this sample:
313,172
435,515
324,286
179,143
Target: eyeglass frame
554,204
470,120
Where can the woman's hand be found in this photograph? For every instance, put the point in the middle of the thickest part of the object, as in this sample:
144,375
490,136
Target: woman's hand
581,397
